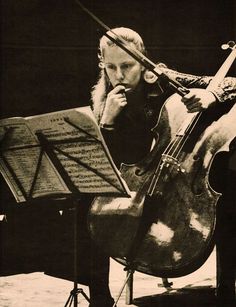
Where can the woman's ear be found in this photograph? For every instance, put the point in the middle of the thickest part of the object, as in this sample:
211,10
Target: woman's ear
101,65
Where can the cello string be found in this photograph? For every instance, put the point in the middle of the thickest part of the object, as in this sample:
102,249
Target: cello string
180,140
190,129
173,150
176,142
159,168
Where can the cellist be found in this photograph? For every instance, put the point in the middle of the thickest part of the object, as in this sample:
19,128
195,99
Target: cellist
126,102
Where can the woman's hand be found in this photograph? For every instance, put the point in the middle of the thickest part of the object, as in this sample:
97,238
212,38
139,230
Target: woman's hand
198,100
116,101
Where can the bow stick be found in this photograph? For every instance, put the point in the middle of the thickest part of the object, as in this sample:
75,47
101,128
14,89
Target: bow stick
136,54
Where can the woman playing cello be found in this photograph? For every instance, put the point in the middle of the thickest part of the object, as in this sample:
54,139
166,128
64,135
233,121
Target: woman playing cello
127,100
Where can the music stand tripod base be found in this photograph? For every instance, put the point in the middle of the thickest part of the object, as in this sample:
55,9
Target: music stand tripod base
73,297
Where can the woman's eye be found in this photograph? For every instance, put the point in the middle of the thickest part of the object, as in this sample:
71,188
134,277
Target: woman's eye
112,67
122,67
125,66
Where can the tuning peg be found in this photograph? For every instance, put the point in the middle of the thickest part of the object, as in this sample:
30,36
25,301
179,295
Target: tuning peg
230,44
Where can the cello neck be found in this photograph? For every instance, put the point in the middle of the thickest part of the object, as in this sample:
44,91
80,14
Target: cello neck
192,118
221,73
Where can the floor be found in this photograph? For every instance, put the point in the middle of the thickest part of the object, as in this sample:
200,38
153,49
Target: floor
39,290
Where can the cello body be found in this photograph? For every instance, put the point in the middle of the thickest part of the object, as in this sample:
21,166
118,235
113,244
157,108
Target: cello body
168,230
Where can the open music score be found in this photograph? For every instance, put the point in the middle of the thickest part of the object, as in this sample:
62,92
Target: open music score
39,152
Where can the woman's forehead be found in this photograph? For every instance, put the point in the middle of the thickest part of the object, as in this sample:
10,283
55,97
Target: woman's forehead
114,54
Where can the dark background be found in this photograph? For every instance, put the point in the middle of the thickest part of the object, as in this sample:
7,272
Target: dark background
49,63
49,47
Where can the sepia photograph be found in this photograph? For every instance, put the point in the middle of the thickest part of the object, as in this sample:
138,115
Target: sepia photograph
118,153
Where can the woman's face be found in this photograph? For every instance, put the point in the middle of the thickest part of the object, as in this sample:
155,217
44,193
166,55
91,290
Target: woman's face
121,68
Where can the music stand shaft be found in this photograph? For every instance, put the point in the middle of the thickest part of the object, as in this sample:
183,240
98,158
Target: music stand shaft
75,253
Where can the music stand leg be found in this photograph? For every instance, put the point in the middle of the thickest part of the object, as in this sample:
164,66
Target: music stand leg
73,297
129,289
129,276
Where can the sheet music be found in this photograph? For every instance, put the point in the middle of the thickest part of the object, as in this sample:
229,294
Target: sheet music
78,145
81,150
20,150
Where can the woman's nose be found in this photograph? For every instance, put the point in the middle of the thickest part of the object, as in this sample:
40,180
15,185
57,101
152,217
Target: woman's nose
119,74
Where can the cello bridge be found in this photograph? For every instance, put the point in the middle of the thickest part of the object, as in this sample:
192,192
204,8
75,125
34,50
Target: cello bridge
171,161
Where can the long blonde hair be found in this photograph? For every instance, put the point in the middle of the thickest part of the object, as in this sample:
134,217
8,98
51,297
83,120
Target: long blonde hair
100,90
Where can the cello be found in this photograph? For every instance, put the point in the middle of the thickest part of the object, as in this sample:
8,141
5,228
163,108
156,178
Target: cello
167,227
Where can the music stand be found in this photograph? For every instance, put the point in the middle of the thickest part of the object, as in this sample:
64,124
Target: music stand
75,291
52,149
